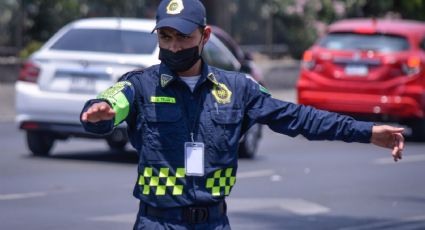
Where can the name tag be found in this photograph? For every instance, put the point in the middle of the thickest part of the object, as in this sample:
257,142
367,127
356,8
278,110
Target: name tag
194,158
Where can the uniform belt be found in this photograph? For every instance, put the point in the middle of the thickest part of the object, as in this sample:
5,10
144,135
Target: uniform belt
189,214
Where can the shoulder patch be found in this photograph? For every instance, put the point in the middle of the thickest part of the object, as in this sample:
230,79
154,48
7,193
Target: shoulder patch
165,79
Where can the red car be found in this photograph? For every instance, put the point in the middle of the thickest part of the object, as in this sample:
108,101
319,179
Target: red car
370,69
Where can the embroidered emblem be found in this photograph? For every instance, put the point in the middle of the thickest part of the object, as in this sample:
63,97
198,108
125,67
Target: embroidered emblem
175,7
165,79
221,93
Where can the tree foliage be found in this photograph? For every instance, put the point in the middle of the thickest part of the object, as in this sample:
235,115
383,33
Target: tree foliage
297,23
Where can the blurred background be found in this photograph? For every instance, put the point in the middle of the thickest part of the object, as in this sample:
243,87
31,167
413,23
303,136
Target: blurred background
273,27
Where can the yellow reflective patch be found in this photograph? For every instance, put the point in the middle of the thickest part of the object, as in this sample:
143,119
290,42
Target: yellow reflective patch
178,190
170,100
221,182
162,181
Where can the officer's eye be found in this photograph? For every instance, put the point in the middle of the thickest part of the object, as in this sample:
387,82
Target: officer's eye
184,36
164,37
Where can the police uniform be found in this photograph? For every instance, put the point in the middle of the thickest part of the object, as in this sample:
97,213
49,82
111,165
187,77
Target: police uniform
163,115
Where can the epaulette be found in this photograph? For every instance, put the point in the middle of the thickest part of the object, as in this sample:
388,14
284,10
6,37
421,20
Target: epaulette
130,74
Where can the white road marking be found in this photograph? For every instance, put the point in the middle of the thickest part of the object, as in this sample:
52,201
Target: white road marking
258,173
17,196
409,223
406,159
121,218
296,206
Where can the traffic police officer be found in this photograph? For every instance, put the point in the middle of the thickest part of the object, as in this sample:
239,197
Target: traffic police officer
185,119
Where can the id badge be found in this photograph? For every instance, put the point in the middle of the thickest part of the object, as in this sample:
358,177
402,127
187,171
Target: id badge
194,158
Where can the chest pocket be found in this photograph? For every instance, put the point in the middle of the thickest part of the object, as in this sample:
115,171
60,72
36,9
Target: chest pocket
226,126
164,129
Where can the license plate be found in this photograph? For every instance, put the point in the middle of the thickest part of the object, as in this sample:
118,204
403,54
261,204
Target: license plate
356,70
81,84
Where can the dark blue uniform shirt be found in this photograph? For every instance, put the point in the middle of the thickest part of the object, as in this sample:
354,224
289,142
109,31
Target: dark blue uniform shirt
161,112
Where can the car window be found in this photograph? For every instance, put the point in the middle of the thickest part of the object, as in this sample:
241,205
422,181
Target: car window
353,41
107,40
216,54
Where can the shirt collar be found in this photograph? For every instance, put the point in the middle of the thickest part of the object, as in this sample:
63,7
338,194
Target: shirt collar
167,76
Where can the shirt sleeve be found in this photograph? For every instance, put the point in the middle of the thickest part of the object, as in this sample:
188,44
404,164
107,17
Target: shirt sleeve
120,97
293,119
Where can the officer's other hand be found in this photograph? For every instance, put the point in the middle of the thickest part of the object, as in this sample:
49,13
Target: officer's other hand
100,111
389,137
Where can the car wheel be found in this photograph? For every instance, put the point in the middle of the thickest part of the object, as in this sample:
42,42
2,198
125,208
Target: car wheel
40,143
418,130
249,144
117,140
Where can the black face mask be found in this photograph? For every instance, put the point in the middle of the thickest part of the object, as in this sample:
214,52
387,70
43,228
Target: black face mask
181,60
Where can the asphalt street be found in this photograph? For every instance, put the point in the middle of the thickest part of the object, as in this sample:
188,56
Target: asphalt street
292,184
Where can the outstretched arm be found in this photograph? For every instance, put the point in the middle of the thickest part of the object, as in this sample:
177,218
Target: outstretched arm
111,107
389,137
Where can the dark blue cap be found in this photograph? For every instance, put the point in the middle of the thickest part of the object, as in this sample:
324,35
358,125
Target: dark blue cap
182,15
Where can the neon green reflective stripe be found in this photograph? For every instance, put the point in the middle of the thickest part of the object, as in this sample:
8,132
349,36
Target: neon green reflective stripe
163,172
154,181
147,172
170,100
160,190
171,181
180,173
216,191
178,190
121,107
118,100
161,181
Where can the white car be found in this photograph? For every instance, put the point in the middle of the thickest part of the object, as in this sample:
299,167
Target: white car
82,59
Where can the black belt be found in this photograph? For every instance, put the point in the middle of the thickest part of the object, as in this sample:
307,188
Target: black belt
188,214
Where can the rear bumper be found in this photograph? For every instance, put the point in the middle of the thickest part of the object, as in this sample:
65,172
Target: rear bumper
32,104
394,102
394,107
53,112
62,130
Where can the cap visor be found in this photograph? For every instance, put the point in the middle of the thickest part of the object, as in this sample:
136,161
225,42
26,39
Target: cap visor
182,25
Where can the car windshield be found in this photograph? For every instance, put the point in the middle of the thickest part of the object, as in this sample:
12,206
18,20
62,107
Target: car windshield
376,42
107,40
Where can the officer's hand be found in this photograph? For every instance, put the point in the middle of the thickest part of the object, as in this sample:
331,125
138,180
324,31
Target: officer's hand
389,137
100,111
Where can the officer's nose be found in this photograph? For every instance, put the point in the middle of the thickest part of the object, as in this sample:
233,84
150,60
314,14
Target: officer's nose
174,47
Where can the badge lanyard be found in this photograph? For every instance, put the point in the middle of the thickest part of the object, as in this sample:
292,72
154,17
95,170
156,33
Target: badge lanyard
194,151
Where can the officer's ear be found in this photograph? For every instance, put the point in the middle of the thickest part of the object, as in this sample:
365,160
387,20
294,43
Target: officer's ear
206,32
